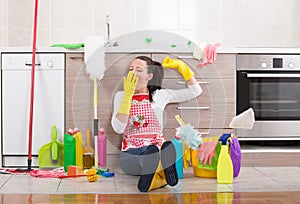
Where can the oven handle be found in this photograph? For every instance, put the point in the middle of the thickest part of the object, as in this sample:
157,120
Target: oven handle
258,75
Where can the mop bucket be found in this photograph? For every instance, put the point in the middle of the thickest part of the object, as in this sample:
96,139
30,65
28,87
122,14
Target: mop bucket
201,172
207,171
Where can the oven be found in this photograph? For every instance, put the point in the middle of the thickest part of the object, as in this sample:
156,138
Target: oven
270,84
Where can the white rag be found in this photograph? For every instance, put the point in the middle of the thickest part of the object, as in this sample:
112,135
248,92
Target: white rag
94,56
244,120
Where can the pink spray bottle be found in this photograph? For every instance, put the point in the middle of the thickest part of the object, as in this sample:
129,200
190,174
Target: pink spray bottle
102,143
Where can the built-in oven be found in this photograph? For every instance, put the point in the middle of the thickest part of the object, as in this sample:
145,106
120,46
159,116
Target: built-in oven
270,84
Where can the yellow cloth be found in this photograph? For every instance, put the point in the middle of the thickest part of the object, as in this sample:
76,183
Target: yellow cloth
186,156
159,178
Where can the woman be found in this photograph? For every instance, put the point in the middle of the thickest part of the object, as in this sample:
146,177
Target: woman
138,115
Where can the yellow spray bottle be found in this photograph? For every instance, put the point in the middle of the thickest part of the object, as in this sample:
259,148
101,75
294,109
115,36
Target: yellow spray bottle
224,167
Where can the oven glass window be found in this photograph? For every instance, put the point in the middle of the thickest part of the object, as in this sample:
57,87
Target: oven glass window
275,99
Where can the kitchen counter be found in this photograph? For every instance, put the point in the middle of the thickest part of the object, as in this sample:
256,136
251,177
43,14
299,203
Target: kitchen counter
220,50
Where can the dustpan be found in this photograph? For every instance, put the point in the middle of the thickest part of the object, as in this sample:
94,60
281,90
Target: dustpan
51,155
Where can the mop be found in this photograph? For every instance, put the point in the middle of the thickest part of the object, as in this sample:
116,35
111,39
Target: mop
29,160
94,59
244,120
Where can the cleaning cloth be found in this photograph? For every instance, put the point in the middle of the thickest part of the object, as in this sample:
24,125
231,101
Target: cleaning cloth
206,53
245,120
69,46
46,173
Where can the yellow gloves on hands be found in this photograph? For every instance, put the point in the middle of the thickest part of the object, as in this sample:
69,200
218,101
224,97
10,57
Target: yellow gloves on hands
183,69
130,83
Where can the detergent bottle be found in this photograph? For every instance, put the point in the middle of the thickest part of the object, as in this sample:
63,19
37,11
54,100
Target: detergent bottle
179,153
69,151
102,143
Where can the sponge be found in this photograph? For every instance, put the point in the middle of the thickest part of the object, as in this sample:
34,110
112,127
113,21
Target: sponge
69,46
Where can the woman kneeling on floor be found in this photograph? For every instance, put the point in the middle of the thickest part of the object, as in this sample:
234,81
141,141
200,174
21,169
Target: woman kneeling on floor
138,115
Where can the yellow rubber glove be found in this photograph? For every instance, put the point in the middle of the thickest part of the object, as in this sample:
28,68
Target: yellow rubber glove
183,69
130,83
186,156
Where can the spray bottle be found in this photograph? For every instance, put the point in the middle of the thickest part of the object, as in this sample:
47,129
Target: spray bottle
179,153
102,143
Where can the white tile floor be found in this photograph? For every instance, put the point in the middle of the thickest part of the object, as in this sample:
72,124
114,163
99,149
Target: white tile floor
251,179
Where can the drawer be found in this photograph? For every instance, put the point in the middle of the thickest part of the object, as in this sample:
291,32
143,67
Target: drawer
213,90
223,67
216,115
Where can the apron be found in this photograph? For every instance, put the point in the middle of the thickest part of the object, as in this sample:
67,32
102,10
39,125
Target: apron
143,128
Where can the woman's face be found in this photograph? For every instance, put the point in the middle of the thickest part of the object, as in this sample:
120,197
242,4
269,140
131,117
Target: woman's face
139,67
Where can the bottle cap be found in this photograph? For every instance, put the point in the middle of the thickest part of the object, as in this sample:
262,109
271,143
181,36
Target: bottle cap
101,131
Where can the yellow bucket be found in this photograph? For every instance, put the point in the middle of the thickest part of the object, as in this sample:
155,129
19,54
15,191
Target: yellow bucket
201,172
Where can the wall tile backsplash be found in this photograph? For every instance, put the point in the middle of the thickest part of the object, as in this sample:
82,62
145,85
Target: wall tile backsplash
234,23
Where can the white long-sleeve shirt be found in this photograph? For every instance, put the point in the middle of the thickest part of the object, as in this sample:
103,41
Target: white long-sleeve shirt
161,98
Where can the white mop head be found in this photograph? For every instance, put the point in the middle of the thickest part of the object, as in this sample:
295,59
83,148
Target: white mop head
245,120
94,56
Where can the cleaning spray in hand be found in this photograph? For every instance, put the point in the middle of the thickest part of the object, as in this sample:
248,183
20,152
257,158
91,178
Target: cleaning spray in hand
102,142
179,153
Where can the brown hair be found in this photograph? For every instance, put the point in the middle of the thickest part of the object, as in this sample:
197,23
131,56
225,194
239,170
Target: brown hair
156,69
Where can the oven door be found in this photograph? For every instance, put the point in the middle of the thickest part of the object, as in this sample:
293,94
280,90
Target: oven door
275,99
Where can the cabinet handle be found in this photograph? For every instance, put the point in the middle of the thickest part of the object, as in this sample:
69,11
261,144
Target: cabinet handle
201,82
193,107
76,57
204,133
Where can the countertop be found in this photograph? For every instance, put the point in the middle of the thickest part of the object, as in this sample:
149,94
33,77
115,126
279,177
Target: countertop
220,50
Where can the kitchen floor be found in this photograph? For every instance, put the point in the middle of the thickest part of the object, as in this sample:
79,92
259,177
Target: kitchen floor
251,179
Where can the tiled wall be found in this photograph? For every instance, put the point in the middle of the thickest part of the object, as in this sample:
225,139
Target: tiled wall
234,23
3,23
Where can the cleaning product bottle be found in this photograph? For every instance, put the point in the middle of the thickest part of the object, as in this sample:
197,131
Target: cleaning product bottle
179,153
102,142
224,167
69,151
79,149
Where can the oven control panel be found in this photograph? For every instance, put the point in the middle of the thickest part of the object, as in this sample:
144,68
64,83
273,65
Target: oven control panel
268,62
